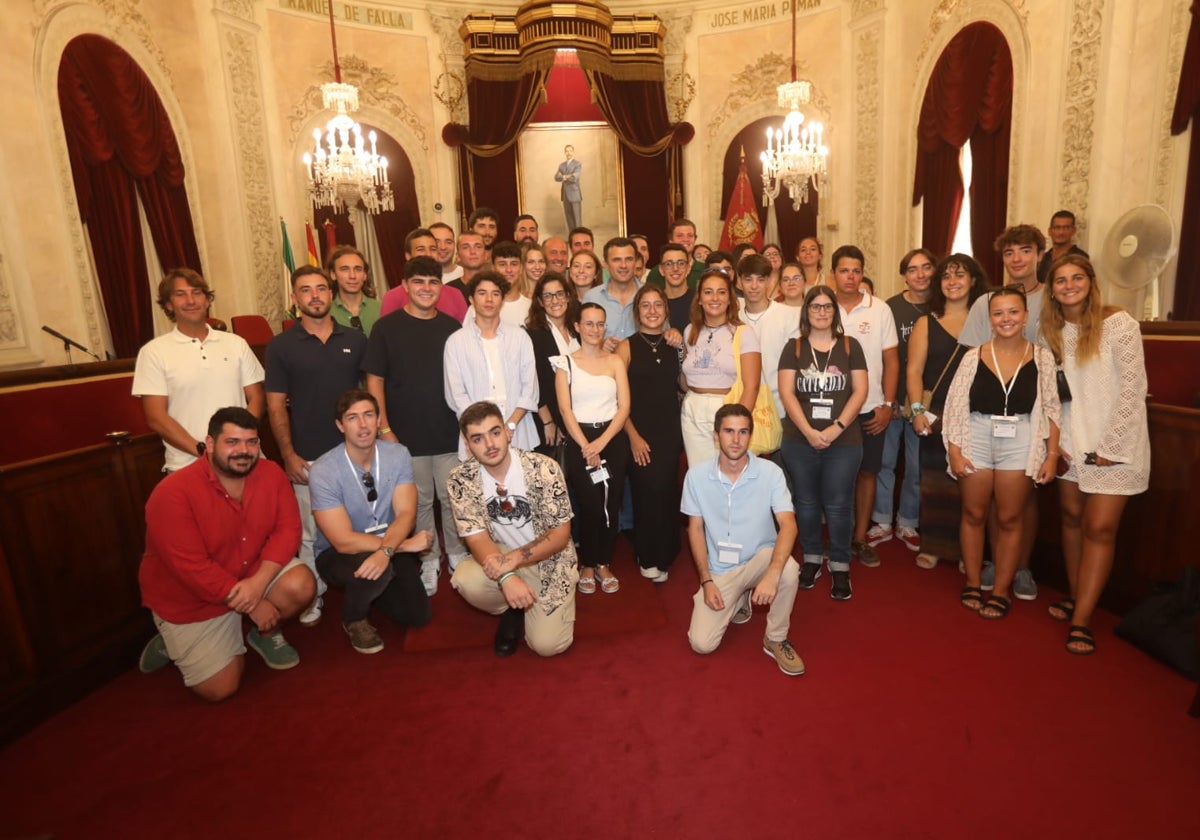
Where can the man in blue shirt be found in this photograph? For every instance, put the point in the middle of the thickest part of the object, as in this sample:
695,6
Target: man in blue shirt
365,504
734,505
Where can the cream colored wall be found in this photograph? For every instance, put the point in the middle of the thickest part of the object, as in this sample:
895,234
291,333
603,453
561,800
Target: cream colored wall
1094,86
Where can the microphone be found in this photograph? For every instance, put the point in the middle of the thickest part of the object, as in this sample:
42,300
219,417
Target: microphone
69,342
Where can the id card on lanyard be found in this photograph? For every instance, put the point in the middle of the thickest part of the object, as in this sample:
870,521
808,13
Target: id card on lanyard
1004,425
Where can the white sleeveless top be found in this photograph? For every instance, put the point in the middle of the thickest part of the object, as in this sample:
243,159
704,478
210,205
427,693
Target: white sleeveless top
593,398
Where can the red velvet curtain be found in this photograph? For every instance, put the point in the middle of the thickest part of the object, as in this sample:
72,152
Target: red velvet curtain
794,225
1186,304
121,145
497,112
968,98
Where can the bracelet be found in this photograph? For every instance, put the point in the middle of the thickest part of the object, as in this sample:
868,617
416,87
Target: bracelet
703,582
504,577
386,430
838,422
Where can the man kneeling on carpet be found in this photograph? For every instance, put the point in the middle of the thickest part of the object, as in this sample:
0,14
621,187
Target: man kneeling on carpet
364,501
735,503
513,513
221,539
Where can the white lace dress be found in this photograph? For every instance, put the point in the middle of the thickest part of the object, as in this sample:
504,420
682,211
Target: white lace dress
1107,411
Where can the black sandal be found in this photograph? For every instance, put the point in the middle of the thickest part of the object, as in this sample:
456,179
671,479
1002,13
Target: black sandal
971,597
995,608
1080,635
1062,610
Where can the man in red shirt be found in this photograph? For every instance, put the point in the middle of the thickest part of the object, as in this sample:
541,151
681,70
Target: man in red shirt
221,539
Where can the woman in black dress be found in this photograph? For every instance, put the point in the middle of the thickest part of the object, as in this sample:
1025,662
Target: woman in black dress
933,358
655,436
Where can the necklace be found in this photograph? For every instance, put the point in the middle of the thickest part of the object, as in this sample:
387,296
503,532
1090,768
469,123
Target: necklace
653,345
749,316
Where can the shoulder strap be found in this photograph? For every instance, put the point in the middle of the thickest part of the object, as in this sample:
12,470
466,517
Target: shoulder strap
949,362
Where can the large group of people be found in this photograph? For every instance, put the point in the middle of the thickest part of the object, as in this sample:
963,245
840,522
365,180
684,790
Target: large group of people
540,396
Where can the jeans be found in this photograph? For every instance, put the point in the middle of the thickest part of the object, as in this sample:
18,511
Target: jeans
398,592
885,481
823,479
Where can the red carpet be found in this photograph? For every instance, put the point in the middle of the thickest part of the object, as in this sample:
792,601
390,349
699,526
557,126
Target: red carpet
915,719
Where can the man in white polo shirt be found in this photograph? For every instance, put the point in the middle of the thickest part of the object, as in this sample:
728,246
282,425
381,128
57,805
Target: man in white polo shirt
187,374
869,320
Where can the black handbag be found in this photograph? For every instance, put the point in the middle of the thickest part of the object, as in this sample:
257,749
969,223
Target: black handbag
1164,624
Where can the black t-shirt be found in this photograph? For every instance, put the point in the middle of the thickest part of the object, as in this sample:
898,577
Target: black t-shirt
407,353
679,310
314,375
823,376
905,315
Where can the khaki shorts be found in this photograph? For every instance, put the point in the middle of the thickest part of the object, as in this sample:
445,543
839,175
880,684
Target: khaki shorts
201,649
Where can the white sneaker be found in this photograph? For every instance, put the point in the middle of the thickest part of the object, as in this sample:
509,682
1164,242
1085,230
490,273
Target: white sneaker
452,560
312,616
655,574
908,536
429,575
879,533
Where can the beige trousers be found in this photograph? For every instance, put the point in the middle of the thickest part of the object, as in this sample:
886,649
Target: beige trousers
546,635
708,626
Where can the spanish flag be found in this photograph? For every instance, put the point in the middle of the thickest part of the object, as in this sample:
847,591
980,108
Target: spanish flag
741,217
313,256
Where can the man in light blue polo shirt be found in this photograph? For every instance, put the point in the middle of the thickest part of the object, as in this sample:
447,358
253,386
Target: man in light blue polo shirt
364,502
734,505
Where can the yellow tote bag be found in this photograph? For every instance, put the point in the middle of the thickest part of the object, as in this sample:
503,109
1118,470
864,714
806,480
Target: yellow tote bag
768,430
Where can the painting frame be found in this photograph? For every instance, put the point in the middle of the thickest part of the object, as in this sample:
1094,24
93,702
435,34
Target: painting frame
602,178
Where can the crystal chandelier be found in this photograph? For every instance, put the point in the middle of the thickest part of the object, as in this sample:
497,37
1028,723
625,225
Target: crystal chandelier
796,155
344,171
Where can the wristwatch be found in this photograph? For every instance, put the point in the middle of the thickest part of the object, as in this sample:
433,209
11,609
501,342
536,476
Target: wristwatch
201,447
512,427
387,550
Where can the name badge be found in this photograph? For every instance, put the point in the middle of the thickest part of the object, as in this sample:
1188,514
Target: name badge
376,529
1003,426
822,409
599,474
728,554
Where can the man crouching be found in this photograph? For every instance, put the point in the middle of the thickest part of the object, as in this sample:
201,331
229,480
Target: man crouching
512,512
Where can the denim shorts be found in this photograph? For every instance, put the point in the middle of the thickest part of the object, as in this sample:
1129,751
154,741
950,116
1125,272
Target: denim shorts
992,453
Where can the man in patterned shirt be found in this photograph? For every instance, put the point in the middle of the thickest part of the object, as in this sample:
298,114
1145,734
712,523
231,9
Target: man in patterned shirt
512,511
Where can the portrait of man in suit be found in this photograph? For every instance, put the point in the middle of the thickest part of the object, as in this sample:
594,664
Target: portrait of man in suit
572,198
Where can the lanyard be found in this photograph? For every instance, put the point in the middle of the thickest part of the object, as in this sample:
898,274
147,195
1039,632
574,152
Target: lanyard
361,487
821,374
1007,389
729,497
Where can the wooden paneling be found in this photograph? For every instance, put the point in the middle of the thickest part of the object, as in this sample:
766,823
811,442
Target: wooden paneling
72,531
1160,529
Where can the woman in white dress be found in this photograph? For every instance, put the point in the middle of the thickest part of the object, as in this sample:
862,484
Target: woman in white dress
1105,440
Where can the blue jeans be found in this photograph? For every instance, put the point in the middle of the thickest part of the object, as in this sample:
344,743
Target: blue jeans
823,479
885,482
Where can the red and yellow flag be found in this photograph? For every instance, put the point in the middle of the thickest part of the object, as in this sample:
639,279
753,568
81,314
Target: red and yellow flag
741,217
313,257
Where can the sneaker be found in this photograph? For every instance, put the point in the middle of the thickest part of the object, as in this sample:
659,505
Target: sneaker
154,655
274,649
429,575
866,555
841,590
744,611
1024,586
312,616
452,560
785,657
878,533
655,574
987,577
363,637
906,535
809,572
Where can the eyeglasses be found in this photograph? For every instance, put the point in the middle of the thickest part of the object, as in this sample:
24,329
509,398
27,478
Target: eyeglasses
820,307
714,269
549,296
368,481
356,322
674,263
506,505
793,278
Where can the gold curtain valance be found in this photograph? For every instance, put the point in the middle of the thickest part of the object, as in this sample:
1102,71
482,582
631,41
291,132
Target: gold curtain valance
502,48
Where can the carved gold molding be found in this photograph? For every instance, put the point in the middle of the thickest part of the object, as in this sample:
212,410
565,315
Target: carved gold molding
1164,167
244,86
125,15
947,11
376,88
756,84
867,60
10,327
1083,78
